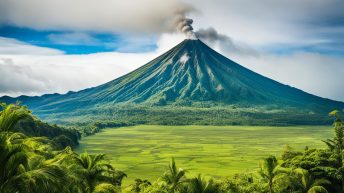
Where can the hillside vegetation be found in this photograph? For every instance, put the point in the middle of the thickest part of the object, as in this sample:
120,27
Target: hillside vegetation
171,115
33,127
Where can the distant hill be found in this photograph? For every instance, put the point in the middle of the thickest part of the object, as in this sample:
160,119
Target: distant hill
60,137
191,77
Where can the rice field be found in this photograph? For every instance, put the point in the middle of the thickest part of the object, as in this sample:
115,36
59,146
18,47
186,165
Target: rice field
144,151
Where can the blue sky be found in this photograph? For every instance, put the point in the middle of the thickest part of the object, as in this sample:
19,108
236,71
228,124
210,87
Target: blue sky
61,45
87,43
78,43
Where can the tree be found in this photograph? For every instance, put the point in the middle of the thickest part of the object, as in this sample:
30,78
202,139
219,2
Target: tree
270,171
174,177
317,189
94,170
289,153
106,188
12,158
11,115
22,171
201,185
309,184
336,145
42,176
140,185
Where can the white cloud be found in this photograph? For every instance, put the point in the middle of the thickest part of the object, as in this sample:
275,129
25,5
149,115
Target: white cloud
184,58
34,73
256,23
312,72
13,46
266,22
75,38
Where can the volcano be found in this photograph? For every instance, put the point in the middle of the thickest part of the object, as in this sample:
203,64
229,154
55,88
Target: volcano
189,74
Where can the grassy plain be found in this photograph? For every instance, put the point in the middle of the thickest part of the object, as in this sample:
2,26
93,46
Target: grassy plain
144,151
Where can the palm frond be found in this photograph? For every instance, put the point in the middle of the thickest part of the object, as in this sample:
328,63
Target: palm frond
317,189
106,188
11,115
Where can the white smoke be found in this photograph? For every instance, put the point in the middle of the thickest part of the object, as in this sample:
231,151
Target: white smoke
225,43
184,25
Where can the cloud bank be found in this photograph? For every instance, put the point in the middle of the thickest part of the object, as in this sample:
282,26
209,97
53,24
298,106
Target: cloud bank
269,22
75,38
13,46
37,70
314,73
115,16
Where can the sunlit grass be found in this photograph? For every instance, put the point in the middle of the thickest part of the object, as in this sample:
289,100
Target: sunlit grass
144,151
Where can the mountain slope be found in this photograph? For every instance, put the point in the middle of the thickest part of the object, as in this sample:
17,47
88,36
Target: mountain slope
190,72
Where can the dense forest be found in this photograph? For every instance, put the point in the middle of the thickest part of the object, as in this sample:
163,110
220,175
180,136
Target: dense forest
203,113
33,127
38,161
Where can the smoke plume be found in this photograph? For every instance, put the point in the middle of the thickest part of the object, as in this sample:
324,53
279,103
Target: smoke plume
224,42
184,25
106,16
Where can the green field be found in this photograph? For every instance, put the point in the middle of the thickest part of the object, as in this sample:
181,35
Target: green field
144,151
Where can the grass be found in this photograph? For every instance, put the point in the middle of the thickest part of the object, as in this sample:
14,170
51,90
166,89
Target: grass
144,151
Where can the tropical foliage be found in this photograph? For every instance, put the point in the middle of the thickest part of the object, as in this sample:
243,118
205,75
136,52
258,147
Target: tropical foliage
35,164
16,118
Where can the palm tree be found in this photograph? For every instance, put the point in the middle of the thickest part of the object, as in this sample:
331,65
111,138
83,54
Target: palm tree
139,185
22,170
11,115
200,185
12,159
337,143
174,177
270,171
23,173
94,170
309,184
317,189
41,176
106,188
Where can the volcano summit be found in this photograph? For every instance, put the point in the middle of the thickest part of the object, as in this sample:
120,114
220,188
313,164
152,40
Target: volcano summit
191,82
